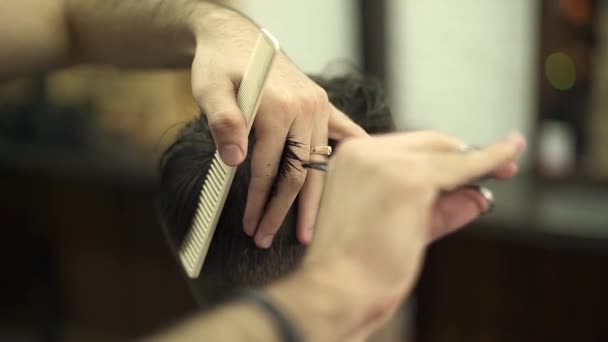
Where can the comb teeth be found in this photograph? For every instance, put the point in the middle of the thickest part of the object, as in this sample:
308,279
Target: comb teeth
212,197
219,178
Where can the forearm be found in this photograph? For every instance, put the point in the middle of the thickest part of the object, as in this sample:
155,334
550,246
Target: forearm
145,33
33,36
38,35
232,322
324,306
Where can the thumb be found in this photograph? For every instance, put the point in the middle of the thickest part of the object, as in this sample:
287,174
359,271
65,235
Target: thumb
226,122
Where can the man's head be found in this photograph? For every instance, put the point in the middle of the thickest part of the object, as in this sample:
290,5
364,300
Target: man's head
233,259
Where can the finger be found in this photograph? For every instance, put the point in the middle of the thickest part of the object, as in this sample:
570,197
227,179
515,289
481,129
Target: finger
226,121
464,167
265,160
456,209
424,141
342,127
502,173
506,172
310,195
288,186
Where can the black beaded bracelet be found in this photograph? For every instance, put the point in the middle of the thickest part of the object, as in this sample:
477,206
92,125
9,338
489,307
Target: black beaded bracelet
286,329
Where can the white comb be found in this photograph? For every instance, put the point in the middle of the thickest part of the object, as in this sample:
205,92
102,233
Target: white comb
219,178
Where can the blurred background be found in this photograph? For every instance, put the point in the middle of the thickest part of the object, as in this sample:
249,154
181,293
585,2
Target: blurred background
83,257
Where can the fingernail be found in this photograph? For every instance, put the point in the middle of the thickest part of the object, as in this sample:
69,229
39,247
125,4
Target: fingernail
231,154
308,235
265,241
489,196
249,229
249,225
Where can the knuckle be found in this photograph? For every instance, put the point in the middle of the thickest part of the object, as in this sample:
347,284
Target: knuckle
322,96
295,180
314,103
308,105
265,127
285,103
224,120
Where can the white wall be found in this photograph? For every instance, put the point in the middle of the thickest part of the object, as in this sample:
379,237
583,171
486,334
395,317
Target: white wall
466,67
312,32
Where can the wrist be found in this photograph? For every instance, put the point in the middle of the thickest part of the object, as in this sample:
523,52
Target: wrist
210,21
330,302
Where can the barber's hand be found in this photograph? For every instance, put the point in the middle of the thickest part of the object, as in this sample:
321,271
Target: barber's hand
385,199
292,105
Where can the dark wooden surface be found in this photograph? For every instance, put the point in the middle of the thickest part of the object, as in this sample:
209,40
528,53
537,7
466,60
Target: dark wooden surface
82,249
534,270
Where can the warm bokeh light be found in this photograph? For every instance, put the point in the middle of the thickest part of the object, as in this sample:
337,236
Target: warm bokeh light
560,71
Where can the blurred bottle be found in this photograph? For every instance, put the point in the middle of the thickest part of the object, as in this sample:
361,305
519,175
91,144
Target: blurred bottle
556,150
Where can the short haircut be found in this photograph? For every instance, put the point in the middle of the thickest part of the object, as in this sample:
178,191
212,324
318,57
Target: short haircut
233,259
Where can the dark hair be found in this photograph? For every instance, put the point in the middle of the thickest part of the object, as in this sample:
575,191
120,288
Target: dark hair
233,259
